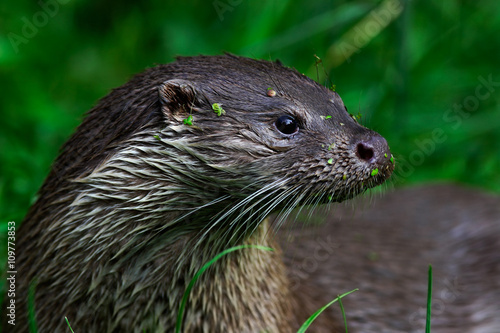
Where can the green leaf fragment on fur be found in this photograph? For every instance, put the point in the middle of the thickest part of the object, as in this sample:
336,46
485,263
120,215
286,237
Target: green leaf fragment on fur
374,172
188,121
385,155
219,111
157,137
331,146
330,161
328,117
344,177
392,159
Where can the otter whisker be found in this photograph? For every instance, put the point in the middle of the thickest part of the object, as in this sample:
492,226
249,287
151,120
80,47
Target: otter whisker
262,210
247,202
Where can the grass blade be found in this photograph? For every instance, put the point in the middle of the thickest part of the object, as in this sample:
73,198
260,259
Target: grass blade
429,302
310,320
343,312
31,307
67,322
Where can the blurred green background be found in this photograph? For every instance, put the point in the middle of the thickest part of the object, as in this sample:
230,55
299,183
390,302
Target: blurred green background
423,74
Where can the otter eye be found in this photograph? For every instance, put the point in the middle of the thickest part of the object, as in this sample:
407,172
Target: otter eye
287,124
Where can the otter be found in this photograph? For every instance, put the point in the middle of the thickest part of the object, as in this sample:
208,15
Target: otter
182,162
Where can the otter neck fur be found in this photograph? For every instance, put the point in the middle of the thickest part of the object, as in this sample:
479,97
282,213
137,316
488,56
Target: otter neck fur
139,199
155,251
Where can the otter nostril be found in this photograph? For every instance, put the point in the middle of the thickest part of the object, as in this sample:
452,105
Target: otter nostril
373,149
364,152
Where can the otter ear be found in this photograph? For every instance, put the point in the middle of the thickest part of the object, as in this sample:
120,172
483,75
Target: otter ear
179,97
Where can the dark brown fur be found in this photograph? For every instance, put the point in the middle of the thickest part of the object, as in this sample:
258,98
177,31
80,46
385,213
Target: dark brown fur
138,201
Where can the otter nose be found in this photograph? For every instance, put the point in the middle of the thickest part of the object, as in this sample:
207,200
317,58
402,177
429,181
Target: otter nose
373,150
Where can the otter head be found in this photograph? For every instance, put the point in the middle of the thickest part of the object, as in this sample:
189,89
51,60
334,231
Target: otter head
260,136
213,141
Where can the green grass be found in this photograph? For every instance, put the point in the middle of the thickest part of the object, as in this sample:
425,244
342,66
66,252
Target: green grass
31,307
69,326
185,297
343,310
429,302
313,317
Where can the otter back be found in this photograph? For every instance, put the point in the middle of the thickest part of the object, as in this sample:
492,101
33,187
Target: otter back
384,248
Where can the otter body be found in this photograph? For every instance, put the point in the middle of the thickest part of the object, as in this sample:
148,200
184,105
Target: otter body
384,247
179,164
